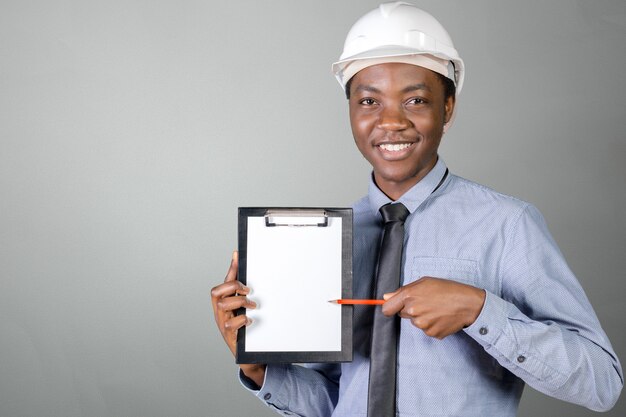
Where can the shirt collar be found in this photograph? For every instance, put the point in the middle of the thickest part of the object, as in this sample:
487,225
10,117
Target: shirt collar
415,196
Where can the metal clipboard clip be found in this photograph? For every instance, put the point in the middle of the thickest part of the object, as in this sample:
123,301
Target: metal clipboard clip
296,218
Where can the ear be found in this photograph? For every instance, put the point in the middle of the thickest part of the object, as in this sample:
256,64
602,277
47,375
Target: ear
448,113
448,108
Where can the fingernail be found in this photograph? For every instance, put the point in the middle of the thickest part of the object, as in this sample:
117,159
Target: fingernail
254,304
249,321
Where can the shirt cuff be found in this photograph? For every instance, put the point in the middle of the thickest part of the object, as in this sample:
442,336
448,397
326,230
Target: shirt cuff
491,322
247,383
508,335
275,375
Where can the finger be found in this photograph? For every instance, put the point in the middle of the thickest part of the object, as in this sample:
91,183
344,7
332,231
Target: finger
230,286
420,322
232,271
390,294
223,291
229,289
236,323
224,309
231,329
394,303
233,303
405,315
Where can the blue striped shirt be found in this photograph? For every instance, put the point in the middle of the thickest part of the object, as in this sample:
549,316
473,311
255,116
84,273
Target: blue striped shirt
536,326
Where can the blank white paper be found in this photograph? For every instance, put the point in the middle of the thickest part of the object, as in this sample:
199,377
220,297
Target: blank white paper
293,272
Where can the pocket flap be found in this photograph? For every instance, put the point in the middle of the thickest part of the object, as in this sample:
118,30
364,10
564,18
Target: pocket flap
462,270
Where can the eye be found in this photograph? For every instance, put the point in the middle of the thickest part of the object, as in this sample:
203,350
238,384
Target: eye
416,101
367,101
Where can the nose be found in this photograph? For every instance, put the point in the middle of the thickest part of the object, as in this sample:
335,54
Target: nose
393,119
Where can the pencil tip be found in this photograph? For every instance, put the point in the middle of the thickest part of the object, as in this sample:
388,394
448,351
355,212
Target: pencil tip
333,301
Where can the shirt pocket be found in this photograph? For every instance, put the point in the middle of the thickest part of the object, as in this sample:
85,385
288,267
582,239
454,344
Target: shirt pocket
461,270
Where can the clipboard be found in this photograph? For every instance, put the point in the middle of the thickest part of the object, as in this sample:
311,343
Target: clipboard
295,260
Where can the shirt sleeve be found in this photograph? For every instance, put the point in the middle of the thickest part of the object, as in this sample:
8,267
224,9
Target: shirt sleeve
543,328
293,390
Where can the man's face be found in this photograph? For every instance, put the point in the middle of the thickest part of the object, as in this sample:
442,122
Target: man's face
397,113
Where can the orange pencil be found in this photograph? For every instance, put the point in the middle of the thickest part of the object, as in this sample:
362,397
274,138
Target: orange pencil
365,302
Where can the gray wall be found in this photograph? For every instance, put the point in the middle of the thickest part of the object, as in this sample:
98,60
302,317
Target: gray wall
130,132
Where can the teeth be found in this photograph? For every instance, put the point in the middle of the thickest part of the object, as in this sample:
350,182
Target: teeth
394,147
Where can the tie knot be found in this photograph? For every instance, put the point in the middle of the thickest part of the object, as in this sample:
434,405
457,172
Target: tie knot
394,212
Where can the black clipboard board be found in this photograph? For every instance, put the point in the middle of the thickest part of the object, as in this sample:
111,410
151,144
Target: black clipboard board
295,260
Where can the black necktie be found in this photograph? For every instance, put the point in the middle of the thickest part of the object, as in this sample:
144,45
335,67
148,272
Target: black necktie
383,358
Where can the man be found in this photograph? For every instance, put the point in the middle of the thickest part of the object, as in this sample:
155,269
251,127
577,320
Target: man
487,302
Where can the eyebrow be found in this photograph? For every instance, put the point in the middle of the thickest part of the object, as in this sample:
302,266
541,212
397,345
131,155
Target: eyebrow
414,87
367,88
407,89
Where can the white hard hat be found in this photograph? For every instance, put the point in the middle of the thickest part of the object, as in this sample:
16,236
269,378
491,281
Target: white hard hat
399,32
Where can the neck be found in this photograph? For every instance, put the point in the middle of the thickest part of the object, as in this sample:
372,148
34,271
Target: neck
396,189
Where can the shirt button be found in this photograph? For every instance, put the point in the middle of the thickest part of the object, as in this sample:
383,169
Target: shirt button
267,396
483,331
521,358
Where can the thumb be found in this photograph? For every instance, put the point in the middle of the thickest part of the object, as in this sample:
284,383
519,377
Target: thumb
391,305
390,294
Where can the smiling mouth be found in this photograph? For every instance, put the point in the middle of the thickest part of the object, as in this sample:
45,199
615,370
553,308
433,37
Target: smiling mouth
394,147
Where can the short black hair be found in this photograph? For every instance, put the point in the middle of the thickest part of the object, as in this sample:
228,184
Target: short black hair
449,89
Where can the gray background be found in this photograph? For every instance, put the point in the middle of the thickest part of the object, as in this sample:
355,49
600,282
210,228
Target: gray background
130,132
